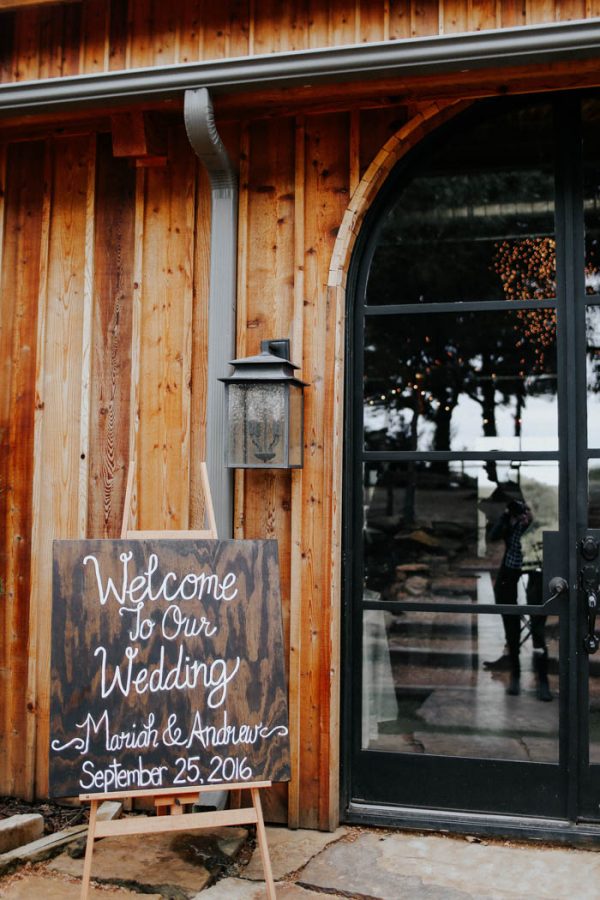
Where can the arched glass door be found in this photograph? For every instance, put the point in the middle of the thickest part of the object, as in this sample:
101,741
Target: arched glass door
473,472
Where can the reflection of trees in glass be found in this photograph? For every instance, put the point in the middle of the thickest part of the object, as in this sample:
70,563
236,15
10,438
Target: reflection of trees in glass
473,222
439,237
440,241
419,366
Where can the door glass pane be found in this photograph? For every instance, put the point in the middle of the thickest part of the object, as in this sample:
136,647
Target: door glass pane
461,381
592,316
591,195
594,493
482,204
459,683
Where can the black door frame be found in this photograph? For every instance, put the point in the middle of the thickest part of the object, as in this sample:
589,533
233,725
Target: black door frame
564,818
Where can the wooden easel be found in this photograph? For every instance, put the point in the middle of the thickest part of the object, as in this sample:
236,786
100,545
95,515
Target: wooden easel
170,802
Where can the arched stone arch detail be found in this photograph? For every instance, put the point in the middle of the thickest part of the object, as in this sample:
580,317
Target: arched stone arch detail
407,137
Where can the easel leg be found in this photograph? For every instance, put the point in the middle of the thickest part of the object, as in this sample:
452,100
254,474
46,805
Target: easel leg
87,866
262,844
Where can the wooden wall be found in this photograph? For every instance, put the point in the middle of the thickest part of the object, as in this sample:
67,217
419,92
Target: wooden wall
104,272
96,366
102,35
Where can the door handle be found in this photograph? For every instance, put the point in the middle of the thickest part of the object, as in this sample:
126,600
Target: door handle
589,585
591,641
557,586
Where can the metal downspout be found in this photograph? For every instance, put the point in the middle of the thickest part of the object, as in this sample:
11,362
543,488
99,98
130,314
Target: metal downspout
208,146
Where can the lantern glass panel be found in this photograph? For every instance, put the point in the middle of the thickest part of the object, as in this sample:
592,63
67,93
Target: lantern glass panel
296,425
257,425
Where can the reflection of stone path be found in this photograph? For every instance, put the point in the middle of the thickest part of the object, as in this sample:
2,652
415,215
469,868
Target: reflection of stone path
449,704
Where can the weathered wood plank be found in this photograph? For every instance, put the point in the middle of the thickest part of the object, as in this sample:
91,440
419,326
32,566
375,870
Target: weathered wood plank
50,40
327,155
38,473
190,31
424,18
140,34
513,13
86,343
130,513
482,15
214,40
225,29
7,40
238,35
95,36
270,298
282,26
295,635
400,24
371,24
71,42
164,32
162,451
26,45
454,17
568,10
18,324
117,38
58,450
539,11
340,21
111,361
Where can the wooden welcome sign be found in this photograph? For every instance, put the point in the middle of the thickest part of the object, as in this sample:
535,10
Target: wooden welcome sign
167,666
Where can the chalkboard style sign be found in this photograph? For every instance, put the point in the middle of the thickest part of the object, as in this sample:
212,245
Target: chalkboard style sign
167,665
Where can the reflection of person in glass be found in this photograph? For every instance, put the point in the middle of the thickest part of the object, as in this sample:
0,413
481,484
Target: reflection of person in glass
510,527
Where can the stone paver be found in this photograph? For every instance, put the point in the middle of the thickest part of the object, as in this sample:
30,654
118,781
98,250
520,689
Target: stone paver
361,863
20,829
238,889
44,887
438,868
41,849
290,850
159,861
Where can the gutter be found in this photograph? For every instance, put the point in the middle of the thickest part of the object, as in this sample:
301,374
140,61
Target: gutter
528,45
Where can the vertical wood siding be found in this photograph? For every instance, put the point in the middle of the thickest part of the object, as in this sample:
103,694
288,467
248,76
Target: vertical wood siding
112,329
103,316
57,450
95,366
98,35
23,202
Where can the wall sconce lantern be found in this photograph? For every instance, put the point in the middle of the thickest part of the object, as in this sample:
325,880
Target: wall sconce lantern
265,410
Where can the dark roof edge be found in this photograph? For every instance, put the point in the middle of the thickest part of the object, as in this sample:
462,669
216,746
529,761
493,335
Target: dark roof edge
415,56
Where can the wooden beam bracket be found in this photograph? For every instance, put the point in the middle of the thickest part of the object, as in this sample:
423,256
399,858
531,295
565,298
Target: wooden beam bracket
141,136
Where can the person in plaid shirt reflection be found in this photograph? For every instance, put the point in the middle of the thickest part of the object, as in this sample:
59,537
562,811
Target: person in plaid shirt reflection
510,527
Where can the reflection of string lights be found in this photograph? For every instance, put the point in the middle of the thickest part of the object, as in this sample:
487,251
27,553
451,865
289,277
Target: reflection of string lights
527,271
